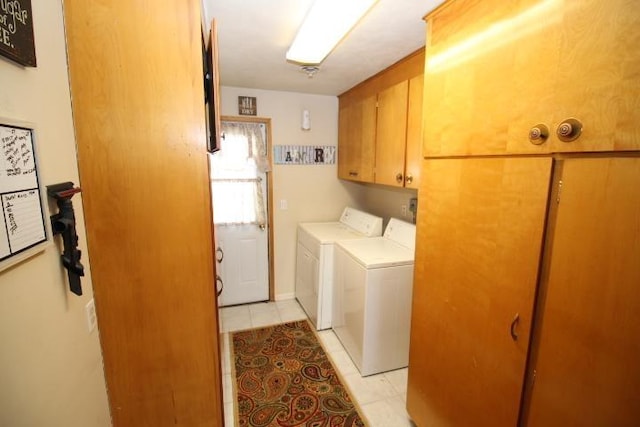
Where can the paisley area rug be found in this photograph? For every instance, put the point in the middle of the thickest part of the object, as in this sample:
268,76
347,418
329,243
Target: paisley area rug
285,379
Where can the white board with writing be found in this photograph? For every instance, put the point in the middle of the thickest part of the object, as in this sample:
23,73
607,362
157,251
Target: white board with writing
23,222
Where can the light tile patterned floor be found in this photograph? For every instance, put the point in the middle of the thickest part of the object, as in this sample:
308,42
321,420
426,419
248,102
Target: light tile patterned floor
382,397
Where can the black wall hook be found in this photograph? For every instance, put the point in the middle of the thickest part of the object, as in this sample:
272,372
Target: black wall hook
64,222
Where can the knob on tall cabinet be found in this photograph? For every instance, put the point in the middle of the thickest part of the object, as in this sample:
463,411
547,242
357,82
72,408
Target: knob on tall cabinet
526,276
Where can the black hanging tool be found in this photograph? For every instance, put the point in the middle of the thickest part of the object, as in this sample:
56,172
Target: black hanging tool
64,222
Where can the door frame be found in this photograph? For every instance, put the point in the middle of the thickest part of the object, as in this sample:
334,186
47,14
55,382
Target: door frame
270,249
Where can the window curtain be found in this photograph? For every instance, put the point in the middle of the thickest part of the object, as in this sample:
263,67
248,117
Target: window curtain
236,171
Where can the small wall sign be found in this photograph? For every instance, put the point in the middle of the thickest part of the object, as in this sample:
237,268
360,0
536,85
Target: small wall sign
304,155
16,32
247,106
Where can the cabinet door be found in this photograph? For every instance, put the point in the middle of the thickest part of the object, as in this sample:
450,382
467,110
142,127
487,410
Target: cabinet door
496,68
413,156
356,140
586,369
479,236
391,134
598,73
153,274
489,75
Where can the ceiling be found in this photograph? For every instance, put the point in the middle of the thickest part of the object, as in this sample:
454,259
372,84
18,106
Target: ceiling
254,35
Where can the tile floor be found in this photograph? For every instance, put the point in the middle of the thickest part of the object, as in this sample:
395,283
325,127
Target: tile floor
382,397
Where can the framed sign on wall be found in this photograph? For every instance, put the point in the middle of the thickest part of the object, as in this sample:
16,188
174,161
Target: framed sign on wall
16,32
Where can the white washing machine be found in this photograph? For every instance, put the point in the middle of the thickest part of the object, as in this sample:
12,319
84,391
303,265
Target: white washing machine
373,282
314,259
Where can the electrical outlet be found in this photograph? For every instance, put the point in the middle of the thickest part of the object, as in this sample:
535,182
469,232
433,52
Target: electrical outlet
403,210
92,320
413,205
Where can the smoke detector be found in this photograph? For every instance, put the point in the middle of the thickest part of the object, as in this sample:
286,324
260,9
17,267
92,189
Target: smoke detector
311,70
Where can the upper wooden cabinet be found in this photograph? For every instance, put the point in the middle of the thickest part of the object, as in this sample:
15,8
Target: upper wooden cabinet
356,139
390,132
495,69
413,153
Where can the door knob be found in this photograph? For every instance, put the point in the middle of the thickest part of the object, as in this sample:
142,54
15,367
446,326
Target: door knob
539,134
221,283
219,255
569,130
399,178
409,179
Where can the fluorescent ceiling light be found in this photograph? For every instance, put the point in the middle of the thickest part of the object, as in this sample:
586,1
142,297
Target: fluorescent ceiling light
326,23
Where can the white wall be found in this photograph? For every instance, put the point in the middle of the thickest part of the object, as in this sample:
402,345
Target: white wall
312,192
387,202
50,365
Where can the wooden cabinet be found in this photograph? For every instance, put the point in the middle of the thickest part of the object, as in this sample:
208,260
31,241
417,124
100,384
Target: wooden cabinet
479,237
380,126
398,134
495,69
481,224
413,151
391,134
526,300
585,369
357,136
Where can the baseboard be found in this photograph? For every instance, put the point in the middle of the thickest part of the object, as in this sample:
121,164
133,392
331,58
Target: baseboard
282,297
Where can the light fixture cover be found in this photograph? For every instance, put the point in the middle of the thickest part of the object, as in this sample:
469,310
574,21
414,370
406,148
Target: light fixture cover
326,23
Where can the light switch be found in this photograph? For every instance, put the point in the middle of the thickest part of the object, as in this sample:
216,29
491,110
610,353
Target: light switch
283,205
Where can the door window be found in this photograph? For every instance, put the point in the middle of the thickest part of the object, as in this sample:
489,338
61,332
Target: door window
237,171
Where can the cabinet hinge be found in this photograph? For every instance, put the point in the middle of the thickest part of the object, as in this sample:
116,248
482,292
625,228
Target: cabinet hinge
559,191
533,379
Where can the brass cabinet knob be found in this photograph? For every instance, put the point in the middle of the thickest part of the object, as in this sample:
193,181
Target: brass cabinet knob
409,179
569,130
399,178
353,173
539,134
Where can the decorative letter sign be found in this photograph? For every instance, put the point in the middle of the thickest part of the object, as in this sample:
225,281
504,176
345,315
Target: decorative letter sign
16,32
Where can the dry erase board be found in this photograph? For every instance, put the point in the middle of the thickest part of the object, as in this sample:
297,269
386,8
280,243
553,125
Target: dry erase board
22,226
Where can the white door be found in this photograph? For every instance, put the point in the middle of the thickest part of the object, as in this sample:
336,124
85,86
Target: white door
239,188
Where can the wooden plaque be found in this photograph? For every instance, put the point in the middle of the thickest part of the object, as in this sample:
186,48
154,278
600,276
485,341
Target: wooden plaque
16,32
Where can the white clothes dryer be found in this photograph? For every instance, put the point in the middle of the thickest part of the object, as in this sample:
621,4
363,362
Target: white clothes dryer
314,259
373,282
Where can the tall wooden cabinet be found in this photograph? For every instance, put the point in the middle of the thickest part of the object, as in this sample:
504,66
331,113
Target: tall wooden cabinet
527,281
585,368
479,236
138,109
